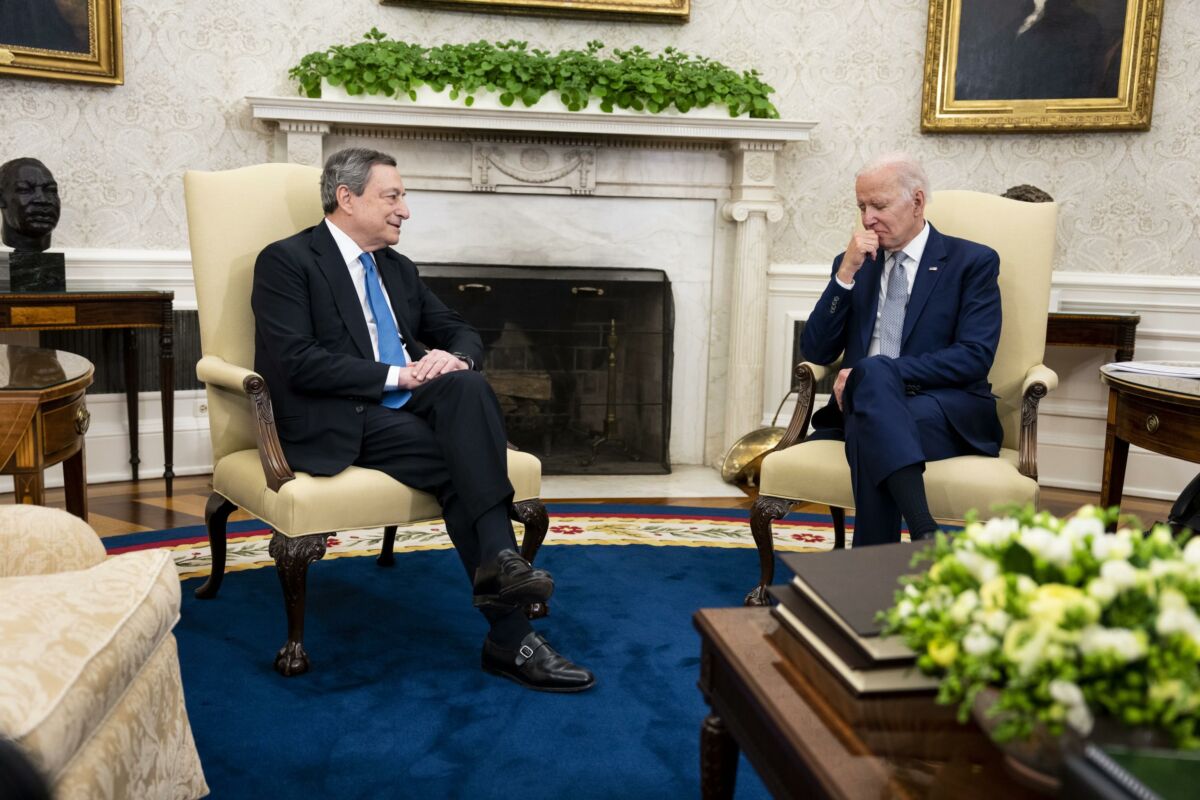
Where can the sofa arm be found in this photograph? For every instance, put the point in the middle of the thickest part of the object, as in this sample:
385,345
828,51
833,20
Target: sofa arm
35,540
1039,381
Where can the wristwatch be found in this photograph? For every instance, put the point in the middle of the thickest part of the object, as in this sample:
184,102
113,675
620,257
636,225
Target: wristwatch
464,357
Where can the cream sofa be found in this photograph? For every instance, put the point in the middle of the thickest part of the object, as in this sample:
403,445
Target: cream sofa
90,688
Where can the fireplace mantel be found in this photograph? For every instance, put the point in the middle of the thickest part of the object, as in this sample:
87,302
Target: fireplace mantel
299,114
648,159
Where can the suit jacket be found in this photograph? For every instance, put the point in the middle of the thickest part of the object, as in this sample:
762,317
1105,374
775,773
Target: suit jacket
312,346
951,328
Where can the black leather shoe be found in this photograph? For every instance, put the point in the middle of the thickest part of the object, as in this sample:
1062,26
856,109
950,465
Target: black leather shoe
511,580
536,665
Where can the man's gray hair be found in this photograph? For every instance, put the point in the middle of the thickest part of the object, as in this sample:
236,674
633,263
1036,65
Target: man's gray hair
350,168
909,172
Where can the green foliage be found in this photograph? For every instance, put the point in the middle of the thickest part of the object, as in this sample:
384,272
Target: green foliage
629,79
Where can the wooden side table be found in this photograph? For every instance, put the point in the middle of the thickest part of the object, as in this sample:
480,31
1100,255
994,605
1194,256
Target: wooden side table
43,419
127,311
802,747
1156,412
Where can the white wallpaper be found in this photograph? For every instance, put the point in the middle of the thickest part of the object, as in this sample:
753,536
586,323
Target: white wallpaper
854,66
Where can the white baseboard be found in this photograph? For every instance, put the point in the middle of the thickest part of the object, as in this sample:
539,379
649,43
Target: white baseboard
107,439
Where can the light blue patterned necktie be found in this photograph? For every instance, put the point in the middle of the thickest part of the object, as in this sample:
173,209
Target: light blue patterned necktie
391,349
891,321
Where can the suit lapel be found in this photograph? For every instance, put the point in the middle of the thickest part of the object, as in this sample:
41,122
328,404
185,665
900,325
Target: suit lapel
329,259
929,272
872,273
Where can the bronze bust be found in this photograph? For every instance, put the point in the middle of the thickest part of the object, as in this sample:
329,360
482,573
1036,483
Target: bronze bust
30,208
29,204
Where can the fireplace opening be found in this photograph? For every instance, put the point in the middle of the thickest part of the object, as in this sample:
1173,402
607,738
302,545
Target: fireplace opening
579,358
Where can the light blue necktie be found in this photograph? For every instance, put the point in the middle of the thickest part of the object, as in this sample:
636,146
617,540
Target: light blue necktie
891,321
391,349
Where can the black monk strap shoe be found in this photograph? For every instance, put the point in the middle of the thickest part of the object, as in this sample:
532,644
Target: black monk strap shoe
511,580
536,665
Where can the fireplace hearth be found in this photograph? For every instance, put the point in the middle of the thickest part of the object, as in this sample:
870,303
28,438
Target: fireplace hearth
581,360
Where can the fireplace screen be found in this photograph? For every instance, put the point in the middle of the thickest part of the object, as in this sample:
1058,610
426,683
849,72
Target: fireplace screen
580,359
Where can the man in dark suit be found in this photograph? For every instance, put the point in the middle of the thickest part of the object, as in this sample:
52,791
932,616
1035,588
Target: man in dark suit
342,323
915,316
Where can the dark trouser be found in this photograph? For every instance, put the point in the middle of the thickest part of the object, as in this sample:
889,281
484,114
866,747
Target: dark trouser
449,440
886,430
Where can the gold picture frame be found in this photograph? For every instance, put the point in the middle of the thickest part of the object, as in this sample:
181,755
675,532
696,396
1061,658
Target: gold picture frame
1071,65
66,40
633,10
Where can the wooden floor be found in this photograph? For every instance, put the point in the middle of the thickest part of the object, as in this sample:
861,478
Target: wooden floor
128,507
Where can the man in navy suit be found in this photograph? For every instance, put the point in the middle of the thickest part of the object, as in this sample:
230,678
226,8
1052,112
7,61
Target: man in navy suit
915,316
341,327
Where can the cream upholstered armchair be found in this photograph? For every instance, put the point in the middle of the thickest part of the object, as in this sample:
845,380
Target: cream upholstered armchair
816,471
232,216
90,690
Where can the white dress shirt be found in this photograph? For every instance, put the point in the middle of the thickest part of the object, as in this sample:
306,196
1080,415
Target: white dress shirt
911,253
358,276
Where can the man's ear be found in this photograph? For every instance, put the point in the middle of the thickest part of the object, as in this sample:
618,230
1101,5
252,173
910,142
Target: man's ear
919,201
344,195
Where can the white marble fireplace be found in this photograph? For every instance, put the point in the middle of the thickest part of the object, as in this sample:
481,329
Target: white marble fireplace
690,196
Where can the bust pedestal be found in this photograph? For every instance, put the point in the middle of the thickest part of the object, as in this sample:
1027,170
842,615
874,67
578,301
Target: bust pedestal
22,271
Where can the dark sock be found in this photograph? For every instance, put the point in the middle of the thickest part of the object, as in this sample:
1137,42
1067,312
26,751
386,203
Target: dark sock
509,625
907,487
495,533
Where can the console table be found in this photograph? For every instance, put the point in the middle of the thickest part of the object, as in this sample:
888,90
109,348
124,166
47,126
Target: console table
42,421
803,748
128,311
1115,331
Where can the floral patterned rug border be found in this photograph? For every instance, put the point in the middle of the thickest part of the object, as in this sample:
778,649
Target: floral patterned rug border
656,526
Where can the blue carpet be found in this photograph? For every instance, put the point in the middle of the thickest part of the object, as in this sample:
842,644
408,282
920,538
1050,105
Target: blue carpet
397,707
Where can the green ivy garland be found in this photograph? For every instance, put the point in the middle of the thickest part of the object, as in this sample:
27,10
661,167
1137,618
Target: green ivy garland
630,79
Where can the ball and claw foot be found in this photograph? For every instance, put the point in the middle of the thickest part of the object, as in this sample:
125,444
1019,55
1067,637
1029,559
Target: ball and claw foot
291,660
758,597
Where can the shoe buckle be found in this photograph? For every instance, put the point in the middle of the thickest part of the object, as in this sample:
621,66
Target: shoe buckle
524,654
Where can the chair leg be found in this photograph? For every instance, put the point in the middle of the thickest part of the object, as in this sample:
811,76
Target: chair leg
216,515
766,510
532,515
839,527
386,557
292,556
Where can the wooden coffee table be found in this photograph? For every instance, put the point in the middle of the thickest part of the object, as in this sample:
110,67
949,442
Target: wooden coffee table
801,747
43,419
1158,413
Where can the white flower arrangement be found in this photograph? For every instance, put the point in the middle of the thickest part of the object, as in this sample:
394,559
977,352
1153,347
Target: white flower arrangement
1066,623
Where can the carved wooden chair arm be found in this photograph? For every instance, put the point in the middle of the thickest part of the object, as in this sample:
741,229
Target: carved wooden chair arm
217,371
1039,381
807,375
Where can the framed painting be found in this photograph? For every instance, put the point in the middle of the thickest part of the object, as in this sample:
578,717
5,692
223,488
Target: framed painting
993,66
67,40
636,10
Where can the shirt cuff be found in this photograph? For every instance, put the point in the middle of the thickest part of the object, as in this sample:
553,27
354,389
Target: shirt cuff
843,285
393,379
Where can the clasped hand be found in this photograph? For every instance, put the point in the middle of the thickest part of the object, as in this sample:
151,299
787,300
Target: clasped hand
431,365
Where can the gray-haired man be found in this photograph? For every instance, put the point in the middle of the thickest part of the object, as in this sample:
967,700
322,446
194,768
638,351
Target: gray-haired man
342,324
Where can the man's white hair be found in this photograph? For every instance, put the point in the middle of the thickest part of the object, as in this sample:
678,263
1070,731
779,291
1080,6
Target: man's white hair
909,172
